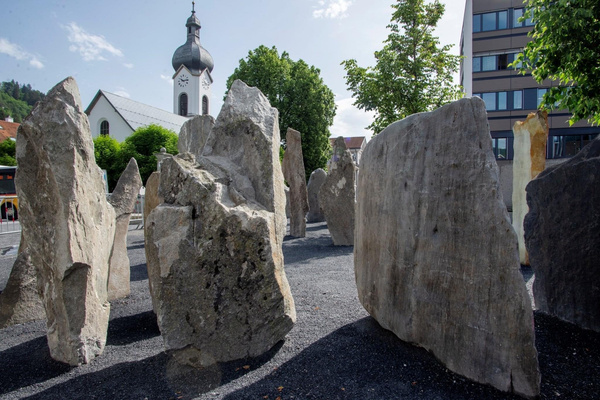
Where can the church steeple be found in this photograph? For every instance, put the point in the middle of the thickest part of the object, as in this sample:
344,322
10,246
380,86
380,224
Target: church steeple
191,54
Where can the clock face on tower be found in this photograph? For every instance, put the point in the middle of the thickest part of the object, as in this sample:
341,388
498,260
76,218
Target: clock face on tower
205,83
183,80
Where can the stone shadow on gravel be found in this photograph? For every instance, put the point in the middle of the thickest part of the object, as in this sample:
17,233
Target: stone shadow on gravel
128,380
27,364
133,328
363,361
297,250
138,273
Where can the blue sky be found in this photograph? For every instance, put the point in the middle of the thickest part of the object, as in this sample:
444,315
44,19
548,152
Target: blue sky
125,47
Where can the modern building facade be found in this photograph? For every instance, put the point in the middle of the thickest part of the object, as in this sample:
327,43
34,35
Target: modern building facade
491,38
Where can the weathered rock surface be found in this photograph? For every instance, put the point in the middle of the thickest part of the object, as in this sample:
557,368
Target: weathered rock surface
530,137
193,134
337,195
435,256
294,174
67,223
316,180
123,201
563,240
215,261
20,301
151,200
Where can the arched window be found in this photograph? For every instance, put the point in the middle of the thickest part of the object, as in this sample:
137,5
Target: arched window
204,105
104,128
183,104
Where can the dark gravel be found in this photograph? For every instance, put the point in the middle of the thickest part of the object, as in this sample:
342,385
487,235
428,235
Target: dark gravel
335,350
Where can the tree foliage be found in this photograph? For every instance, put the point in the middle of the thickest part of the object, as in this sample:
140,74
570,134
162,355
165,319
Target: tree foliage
7,152
17,100
298,92
107,151
412,73
565,47
143,144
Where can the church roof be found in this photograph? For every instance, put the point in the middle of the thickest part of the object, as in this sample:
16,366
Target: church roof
138,114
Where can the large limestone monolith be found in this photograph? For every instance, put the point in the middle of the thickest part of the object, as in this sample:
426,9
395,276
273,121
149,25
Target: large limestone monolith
562,235
337,195
294,174
123,201
316,180
67,223
435,255
193,134
530,140
151,200
20,301
215,258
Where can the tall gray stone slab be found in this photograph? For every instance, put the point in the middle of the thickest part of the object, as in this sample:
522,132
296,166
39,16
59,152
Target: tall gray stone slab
214,255
67,223
562,236
151,200
20,301
193,134
123,201
337,195
435,256
316,180
294,174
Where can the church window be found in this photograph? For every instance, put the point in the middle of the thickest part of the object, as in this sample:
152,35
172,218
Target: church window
183,104
104,128
204,105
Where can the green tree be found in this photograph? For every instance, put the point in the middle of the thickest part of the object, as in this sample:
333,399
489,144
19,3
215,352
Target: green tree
565,47
12,107
107,151
298,92
143,144
412,72
7,152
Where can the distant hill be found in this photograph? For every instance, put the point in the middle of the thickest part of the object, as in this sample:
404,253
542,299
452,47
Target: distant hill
17,100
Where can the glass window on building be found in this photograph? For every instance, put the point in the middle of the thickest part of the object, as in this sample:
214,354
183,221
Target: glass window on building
500,147
476,64
488,63
488,22
517,13
477,23
502,100
540,95
104,128
490,101
502,19
503,61
518,99
585,139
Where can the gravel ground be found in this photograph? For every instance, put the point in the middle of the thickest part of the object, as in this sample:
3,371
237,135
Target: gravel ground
335,350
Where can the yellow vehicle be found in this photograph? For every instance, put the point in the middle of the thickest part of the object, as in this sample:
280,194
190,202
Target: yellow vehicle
9,203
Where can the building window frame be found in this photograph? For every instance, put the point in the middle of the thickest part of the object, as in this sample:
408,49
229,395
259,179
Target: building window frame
104,128
183,104
205,105
490,21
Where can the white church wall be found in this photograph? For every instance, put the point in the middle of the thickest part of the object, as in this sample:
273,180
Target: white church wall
118,128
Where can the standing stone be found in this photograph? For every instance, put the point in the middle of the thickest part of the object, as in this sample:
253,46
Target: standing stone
294,174
562,235
531,136
151,200
337,194
193,134
214,245
67,223
316,180
436,258
20,301
123,201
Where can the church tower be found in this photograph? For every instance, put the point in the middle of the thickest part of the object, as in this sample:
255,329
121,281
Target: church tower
192,79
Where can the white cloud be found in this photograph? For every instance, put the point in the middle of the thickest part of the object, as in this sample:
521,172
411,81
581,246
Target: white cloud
167,78
349,120
15,51
91,47
122,92
332,9
128,65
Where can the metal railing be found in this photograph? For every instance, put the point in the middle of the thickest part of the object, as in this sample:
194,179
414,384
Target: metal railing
9,214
